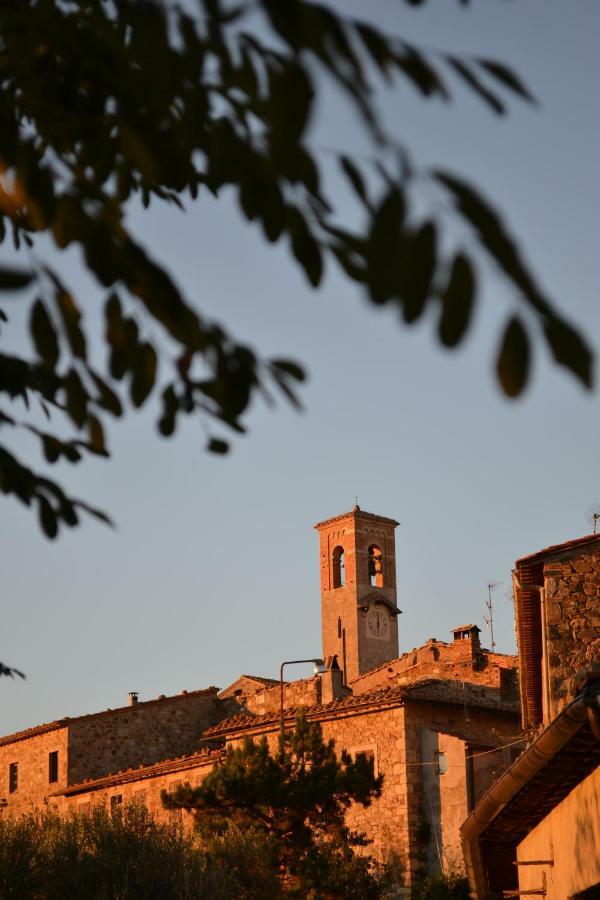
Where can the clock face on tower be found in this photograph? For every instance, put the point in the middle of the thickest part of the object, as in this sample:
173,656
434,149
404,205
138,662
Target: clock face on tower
378,624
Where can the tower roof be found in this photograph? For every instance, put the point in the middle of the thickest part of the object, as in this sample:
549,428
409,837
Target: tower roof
357,513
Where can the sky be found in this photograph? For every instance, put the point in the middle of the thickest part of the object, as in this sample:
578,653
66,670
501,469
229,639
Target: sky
212,568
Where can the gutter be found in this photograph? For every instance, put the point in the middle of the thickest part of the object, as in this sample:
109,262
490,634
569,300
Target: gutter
529,763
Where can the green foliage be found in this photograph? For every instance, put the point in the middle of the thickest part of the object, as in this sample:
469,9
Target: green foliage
449,886
128,856
296,799
97,855
145,102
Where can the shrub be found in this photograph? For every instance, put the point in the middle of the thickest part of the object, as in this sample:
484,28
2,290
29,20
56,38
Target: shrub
448,886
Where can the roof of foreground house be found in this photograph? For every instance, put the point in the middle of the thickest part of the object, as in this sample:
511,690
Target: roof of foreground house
562,756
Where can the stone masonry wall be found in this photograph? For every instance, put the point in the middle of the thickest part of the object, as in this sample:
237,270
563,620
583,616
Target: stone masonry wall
380,733
572,590
480,727
146,790
304,692
436,659
142,734
31,756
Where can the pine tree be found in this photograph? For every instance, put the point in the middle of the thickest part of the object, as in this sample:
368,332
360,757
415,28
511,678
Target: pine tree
297,798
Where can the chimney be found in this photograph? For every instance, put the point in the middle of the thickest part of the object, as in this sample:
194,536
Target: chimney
132,698
332,684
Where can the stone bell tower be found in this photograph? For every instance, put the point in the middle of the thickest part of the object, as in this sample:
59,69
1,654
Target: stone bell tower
359,614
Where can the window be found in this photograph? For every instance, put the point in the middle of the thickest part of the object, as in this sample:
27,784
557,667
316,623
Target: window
375,566
442,762
116,801
13,777
369,752
53,767
339,568
339,628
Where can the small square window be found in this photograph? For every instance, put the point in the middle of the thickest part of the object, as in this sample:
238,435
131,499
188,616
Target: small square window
53,767
13,777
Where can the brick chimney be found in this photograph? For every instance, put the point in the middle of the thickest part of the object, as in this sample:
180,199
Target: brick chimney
332,682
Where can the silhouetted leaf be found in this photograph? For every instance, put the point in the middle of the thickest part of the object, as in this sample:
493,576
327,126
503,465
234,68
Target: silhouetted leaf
290,100
457,302
44,335
421,74
508,78
47,518
71,318
415,270
14,279
355,178
384,240
107,399
378,48
76,398
305,248
96,437
514,359
471,79
144,374
569,349
290,368
215,445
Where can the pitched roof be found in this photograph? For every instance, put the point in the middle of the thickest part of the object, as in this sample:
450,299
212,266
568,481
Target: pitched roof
357,511
555,549
204,756
559,758
68,720
427,691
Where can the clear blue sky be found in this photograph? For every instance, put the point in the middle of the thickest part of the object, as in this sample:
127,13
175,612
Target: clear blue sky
213,568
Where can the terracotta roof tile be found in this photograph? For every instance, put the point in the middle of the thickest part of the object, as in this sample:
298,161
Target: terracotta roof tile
428,691
176,764
67,720
561,548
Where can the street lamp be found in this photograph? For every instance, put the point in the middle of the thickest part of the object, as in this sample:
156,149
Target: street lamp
319,668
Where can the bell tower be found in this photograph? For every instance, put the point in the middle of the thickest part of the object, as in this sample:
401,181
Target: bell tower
359,614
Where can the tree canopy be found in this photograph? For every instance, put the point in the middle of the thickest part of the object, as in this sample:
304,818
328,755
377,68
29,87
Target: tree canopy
105,103
297,798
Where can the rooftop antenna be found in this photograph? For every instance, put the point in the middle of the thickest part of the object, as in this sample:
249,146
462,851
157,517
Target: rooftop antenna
489,620
593,516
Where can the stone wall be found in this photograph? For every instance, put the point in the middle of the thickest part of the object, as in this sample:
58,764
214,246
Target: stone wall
32,758
457,731
145,789
572,592
460,660
141,734
304,692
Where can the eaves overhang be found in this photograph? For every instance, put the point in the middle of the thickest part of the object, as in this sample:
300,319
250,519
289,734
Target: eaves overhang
565,753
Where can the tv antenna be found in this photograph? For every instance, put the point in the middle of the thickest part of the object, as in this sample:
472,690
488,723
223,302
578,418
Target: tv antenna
489,619
593,516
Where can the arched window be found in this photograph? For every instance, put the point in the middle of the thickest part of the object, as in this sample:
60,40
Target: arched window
339,570
375,566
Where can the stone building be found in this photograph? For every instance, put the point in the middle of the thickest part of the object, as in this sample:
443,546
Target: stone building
441,722
537,830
